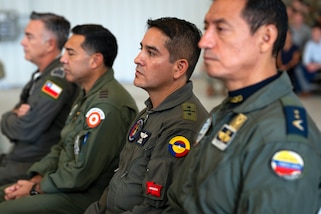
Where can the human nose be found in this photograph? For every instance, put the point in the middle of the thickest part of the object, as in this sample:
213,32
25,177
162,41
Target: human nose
64,58
138,58
23,41
207,40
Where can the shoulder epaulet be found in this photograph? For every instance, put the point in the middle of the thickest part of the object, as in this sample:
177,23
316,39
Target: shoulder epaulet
103,94
189,111
295,116
58,72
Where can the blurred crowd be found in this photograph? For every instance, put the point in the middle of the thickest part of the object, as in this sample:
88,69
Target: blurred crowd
301,54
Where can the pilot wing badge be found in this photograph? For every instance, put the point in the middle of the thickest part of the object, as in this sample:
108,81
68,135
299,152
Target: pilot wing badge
226,134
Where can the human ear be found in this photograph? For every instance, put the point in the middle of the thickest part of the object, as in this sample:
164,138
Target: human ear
267,37
96,60
181,66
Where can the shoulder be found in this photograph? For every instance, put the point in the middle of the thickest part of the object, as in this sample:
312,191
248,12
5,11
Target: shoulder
281,120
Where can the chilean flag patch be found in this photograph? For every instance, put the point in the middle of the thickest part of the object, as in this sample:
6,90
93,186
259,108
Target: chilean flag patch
153,189
51,89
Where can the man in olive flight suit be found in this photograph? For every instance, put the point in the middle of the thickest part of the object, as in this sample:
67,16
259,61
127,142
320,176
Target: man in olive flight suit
34,124
77,170
259,152
163,133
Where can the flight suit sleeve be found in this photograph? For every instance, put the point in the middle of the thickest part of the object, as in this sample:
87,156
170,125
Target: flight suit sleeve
277,172
165,162
43,110
48,163
85,156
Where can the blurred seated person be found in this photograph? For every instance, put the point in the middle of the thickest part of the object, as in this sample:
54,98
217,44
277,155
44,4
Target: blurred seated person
311,61
289,58
301,32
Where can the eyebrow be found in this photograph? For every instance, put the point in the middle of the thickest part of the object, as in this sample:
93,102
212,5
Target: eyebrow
217,21
149,47
69,49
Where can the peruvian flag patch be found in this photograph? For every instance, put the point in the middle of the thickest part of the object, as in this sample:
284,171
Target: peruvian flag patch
153,189
51,89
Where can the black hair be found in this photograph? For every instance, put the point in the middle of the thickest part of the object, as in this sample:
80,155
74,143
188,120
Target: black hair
98,40
183,38
263,12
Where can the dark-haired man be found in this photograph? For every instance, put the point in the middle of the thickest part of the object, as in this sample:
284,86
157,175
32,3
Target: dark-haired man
260,151
78,168
163,133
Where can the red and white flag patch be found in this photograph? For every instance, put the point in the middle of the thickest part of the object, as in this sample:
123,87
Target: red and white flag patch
51,89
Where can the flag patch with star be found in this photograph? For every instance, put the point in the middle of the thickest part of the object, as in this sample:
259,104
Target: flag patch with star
51,89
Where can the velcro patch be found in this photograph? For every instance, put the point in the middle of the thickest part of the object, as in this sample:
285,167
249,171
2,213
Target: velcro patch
94,117
287,164
179,146
153,189
58,72
51,89
296,121
189,111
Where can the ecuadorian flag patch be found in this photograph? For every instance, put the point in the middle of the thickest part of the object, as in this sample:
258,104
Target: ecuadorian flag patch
51,89
296,120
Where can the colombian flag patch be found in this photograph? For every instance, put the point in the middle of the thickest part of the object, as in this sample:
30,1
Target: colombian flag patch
51,89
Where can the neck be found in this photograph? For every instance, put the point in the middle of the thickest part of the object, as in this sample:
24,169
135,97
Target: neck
252,76
91,78
159,95
46,60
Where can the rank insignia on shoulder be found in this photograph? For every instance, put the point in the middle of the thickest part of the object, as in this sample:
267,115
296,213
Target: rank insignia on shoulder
153,189
287,164
189,111
179,146
94,116
51,89
103,94
226,134
58,72
204,130
296,120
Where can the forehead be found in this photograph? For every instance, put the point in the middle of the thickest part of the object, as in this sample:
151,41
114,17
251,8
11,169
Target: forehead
225,10
35,26
154,37
75,41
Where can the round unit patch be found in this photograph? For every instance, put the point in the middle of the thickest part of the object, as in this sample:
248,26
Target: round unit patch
179,146
135,129
94,117
287,164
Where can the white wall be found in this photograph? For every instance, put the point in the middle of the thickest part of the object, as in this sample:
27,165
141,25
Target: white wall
125,18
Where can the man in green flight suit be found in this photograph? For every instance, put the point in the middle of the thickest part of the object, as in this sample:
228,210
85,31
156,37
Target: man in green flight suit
162,134
34,124
259,152
78,168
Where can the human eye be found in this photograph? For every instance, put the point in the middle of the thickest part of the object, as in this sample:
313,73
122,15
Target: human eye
221,28
151,53
70,53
